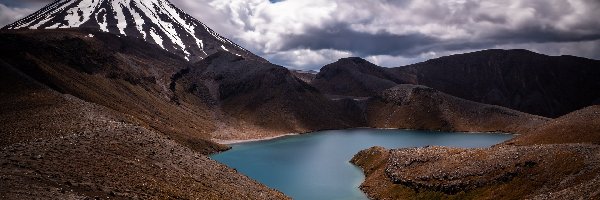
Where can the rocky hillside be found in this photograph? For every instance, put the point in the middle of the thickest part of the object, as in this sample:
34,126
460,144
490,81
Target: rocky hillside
501,172
582,126
259,99
420,107
58,146
224,96
124,74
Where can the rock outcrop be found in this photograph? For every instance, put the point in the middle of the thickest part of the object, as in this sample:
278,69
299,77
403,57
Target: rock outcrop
564,171
558,159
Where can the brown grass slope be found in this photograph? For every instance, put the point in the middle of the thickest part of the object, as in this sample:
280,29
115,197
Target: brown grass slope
259,99
56,146
420,107
582,126
124,74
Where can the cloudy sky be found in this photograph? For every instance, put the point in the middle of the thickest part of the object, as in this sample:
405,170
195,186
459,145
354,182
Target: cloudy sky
307,34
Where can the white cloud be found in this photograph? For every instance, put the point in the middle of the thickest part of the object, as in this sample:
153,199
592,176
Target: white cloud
284,28
9,15
305,59
393,32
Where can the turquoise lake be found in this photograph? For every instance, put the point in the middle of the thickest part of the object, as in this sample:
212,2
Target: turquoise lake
316,166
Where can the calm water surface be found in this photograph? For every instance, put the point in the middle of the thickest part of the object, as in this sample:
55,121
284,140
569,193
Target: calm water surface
316,166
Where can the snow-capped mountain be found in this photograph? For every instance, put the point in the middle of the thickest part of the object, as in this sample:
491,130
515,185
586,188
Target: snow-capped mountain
156,21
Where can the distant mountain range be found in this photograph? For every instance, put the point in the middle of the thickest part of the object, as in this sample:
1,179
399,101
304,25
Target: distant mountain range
549,86
103,78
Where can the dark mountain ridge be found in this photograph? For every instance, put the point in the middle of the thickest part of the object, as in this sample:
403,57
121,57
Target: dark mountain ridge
519,79
549,86
354,77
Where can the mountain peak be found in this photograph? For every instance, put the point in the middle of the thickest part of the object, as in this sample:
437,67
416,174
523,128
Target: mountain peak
156,21
357,60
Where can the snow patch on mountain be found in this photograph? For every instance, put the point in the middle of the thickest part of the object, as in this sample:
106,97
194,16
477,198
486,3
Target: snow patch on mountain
156,21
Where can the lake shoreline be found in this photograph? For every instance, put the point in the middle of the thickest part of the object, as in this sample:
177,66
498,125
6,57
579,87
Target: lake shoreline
240,141
229,142
293,164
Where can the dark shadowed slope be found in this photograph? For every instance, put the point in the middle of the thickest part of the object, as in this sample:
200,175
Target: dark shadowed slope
550,86
154,21
57,146
258,99
420,107
582,126
354,77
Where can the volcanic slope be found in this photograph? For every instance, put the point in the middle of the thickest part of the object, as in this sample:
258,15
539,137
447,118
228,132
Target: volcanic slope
125,74
260,99
155,21
57,146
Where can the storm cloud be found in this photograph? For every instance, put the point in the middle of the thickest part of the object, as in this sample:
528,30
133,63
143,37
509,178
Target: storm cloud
306,34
